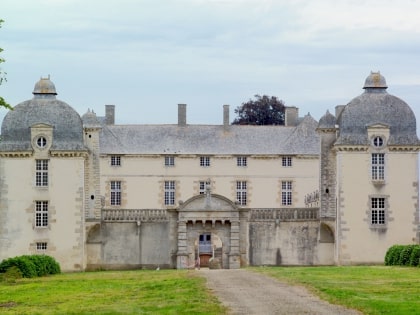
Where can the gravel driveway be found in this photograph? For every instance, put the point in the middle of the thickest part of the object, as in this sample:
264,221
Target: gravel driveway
246,292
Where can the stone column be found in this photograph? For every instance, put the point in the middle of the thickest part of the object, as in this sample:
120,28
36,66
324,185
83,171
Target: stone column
234,256
182,254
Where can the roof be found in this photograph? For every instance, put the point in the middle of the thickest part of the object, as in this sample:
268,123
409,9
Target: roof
210,139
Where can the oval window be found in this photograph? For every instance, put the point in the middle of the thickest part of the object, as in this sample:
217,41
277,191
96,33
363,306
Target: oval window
378,141
41,142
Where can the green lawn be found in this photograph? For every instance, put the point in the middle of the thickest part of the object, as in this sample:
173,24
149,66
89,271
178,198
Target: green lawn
370,289
120,292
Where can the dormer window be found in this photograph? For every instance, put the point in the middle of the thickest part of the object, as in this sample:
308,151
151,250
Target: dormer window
378,142
41,142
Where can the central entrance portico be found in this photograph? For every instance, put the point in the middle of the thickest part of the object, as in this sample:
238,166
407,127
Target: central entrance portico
209,222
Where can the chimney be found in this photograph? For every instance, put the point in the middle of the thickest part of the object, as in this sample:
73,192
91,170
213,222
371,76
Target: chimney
225,116
182,115
291,115
109,114
339,110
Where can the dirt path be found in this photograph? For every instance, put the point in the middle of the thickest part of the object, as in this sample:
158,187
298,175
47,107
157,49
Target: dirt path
246,292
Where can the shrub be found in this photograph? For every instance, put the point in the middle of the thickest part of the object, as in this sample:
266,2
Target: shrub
11,275
405,255
415,256
392,256
32,266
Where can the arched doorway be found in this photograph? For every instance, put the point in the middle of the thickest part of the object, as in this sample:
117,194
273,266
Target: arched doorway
209,247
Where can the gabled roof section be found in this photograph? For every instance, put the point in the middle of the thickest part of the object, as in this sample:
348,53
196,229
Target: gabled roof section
210,139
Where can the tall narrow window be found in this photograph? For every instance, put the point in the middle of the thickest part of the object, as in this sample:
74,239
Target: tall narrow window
115,193
41,176
378,211
115,160
286,193
241,161
203,187
241,190
204,161
286,161
169,193
41,213
169,160
378,166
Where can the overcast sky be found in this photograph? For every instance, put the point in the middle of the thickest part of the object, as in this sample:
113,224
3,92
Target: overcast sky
146,56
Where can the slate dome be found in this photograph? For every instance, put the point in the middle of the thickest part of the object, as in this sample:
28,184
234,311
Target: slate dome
376,106
43,108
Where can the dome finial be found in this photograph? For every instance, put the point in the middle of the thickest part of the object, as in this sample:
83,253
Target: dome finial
44,87
375,81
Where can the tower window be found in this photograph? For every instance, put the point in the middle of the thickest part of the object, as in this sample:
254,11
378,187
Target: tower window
378,166
41,174
378,142
41,142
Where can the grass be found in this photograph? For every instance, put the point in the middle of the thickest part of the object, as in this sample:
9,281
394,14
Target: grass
109,292
372,290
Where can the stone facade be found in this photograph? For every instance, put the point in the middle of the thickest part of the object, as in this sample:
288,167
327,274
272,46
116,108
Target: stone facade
95,194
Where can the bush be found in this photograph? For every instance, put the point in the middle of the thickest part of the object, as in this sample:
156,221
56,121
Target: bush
415,256
32,266
392,257
11,275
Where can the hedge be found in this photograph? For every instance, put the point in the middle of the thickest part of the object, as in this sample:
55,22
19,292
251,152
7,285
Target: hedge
32,265
403,255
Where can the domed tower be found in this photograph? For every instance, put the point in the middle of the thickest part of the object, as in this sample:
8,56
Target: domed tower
42,156
377,174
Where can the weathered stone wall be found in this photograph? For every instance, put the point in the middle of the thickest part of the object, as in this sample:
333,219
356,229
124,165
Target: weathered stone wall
129,245
283,243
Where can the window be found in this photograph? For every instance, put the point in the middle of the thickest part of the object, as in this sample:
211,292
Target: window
41,246
41,213
169,193
241,192
115,193
378,142
41,142
286,161
169,161
203,187
378,211
204,161
286,193
41,177
116,160
241,161
378,166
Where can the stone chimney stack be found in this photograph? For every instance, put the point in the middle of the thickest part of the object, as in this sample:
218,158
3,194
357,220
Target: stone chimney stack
110,114
291,115
182,115
225,116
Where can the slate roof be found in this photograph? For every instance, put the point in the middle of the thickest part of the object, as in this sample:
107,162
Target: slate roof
44,108
211,139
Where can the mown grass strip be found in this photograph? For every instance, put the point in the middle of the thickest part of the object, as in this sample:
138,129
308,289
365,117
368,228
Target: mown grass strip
374,290
109,292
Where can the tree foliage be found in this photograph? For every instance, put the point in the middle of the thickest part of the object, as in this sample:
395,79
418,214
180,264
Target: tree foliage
264,110
3,103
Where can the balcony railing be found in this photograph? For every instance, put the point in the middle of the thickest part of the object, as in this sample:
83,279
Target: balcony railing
134,215
294,214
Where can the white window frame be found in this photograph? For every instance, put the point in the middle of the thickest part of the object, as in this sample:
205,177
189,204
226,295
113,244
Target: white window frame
202,187
115,190
115,160
241,161
378,211
41,174
169,160
204,161
378,166
286,193
169,193
286,161
41,246
41,214
241,192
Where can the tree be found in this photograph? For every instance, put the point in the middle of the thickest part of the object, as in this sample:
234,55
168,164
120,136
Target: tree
264,110
3,103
